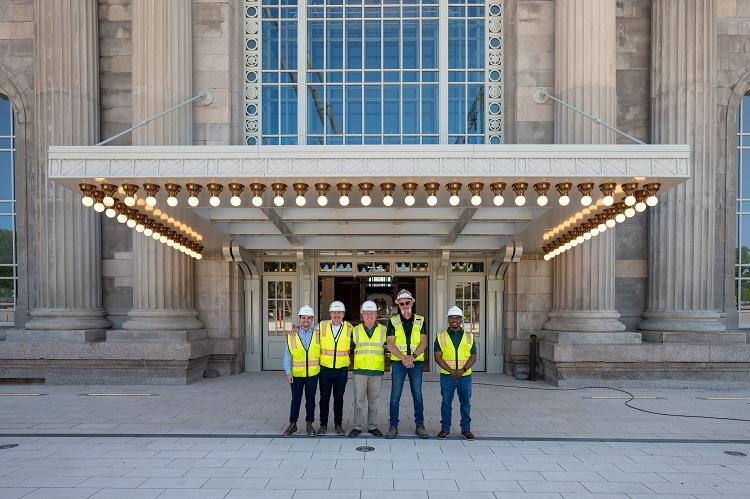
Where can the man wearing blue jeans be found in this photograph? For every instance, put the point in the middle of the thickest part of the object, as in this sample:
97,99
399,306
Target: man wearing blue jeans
407,342
455,353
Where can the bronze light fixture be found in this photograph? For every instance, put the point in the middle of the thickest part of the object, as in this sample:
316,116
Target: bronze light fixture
344,189
410,188
541,189
608,189
300,189
520,190
388,188
431,188
365,188
497,189
585,189
563,188
454,188
278,190
235,189
476,193
257,190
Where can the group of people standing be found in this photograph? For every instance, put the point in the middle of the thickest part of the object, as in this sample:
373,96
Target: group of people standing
320,355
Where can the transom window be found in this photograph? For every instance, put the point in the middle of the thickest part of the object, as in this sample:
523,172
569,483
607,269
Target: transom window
8,262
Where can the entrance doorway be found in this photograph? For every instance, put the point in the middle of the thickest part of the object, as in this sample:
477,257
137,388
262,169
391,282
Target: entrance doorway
382,289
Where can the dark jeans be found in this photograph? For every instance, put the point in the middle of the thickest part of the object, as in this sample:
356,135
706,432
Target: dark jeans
448,387
309,386
332,380
398,376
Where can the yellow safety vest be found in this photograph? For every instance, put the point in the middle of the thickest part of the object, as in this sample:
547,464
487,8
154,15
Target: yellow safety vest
399,339
369,353
334,352
456,359
305,361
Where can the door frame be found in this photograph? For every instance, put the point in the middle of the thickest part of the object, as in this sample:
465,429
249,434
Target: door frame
265,337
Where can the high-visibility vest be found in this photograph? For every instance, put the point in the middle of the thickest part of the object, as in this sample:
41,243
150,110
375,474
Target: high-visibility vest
369,353
334,352
399,339
305,361
456,359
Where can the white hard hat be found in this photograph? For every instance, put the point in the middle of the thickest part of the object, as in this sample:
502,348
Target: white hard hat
404,293
369,306
306,310
337,306
455,311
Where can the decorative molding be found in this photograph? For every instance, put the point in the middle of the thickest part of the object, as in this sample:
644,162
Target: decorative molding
494,113
251,66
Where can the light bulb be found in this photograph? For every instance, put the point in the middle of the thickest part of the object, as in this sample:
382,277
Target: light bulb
131,223
140,228
172,201
610,223
156,236
652,201
564,200
98,207
547,257
409,200
151,201
170,243
198,256
111,213
365,200
432,200
566,246
299,200
322,201
586,200
498,200
587,236
147,232
87,201
344,200
129,201
454,200
163,239
108,201
542,200
476,200
594,232
602,228
388,200
235,201
122,218
520,200
214,201
193,201
580,239
640,207
629,212
574,243
278,201
620,218
608,200
630,200
258,201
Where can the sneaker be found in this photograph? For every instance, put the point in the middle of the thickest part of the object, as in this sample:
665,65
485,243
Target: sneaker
290,430
468,435
375,432
392,432
340,430
421,432
322,430
310,430
355,433
443,434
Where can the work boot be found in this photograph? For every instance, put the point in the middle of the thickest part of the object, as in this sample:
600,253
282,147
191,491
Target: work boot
421,432
375,432
340,430
392,432
310,430
355,433
322,430
443,435
468,435
290,430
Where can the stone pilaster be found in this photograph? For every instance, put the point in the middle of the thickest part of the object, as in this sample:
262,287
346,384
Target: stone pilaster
67,269
584,276
682,226
162,78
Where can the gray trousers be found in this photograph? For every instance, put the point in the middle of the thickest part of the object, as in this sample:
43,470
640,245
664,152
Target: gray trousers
366,390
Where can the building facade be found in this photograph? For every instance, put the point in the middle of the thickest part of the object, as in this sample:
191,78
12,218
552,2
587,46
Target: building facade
572,170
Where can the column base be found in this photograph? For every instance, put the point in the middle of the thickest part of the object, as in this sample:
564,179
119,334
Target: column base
71,335
725,338
151,336
162,320
584,321
65,319
700,321
588,338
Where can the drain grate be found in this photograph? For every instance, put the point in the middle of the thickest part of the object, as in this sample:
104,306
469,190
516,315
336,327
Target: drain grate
365,448
735,453
8,446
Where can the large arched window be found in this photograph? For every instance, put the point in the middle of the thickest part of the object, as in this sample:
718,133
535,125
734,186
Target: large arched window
742,265
8,265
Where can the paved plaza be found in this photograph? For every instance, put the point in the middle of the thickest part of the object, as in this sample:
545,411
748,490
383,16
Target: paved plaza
218,439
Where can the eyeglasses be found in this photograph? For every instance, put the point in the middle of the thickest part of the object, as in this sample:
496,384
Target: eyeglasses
404,303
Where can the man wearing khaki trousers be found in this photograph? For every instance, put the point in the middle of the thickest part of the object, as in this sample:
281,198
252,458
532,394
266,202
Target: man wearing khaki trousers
369,363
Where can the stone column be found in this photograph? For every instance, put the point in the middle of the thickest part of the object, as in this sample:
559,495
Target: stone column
584,277
68,289
682,226
162,78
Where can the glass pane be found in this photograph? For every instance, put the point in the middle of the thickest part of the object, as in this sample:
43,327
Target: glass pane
391,43
456,44
456,109
288,110
7,293
270,45
410,45
429,44
391,114
315,109
334,110
6,117
475,43
335,54
354,109
373,107
315,44
288,43
372,44
6,175
354,44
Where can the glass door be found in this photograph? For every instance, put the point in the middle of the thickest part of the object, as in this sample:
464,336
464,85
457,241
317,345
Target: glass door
279,311
467,292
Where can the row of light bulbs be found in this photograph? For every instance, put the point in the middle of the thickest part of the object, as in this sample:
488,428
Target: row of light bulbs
104,202
564,189
635,201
